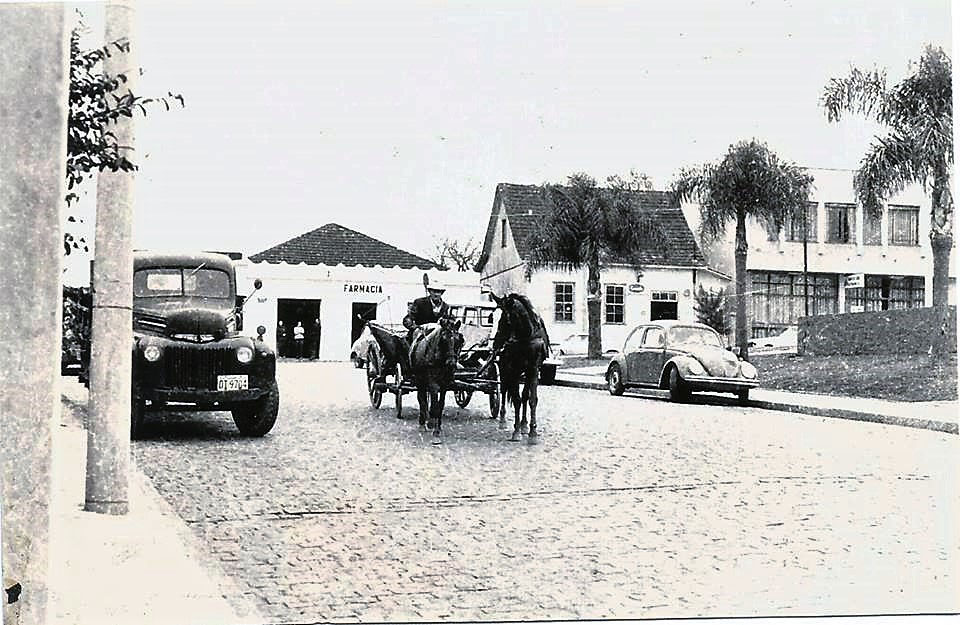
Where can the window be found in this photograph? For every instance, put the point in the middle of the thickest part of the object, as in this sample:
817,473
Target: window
871,228
653,338
633,341
778,299
178,282
613,303
503,233
841,223
794,225
885,293
904,225
563,302
664,296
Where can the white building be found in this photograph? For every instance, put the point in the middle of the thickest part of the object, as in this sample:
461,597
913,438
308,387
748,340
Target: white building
662,288
889,260
340,278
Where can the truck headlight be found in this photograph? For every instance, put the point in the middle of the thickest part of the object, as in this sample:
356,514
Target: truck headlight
151,353
244,354
695,367
748,370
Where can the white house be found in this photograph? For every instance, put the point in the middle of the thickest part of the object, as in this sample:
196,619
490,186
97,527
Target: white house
854,262
339,278
662,287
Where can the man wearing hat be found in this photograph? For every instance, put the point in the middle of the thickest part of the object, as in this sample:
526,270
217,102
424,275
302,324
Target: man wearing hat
429,309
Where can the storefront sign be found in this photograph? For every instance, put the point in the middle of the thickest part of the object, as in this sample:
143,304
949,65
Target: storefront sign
635,288
854,281
352,287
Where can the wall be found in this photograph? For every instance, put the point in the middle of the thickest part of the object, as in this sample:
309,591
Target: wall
504,263
910,331
540,289
394,288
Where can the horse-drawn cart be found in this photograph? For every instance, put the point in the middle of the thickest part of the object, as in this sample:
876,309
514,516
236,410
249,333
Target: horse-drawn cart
388,370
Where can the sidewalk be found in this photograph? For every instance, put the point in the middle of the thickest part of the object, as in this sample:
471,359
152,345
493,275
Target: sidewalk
142,567
932,415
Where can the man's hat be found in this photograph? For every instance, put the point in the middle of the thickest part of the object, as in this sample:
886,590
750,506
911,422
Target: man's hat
436,285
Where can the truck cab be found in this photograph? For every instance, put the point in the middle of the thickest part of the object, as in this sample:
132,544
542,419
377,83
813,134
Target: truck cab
188,353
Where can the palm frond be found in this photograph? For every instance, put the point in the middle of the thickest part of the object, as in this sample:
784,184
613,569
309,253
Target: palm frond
890,165
861,92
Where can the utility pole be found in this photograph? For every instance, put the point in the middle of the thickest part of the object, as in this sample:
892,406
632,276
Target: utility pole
108,430
34,78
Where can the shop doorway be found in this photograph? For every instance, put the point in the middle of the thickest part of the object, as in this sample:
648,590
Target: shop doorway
306,312
361,313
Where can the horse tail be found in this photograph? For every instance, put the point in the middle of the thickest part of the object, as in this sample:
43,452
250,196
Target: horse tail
513,391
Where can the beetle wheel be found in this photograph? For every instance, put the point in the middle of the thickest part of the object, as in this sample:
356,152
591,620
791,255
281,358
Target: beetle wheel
678,388
398,392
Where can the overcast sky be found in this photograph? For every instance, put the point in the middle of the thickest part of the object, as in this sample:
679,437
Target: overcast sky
399,119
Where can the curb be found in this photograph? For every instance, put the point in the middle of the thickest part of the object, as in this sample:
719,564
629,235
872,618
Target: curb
834,413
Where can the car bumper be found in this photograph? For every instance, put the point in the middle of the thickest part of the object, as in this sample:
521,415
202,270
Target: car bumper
723,385
202,396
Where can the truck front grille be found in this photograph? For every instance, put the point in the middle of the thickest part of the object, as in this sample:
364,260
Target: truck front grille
197,366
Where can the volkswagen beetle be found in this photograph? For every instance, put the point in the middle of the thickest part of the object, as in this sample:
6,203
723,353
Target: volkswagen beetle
681,357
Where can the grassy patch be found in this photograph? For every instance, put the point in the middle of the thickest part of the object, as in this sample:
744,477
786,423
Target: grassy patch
900,377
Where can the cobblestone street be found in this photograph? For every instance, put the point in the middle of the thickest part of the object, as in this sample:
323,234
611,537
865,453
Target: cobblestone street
627,508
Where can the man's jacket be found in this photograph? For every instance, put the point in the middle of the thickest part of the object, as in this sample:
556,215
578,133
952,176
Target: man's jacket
420,311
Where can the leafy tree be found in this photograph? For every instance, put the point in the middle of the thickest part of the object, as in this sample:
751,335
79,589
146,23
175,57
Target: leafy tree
711,308
750,181
918,148
97,100
587,226
451,253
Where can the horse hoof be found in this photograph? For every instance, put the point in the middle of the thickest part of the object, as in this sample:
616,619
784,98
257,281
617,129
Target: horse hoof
515,438
525,430
423,427
437,440
532,438
501,426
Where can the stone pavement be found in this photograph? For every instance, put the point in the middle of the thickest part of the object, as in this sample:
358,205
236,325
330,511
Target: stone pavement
144,567
932,415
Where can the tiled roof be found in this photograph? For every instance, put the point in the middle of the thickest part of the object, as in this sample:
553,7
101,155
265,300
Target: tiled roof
525,207
333,244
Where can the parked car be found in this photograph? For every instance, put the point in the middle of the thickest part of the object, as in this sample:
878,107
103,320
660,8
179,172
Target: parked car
574,345
187,348
363,348
682,357
786,341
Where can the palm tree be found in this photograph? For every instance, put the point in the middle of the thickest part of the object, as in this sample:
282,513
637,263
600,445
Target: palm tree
588,225
918,149
750,181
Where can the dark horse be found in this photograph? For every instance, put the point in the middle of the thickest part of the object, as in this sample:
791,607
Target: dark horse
524,344
433,361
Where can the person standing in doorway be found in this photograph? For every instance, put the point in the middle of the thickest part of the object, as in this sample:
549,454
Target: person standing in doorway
313,339
281,339
298,336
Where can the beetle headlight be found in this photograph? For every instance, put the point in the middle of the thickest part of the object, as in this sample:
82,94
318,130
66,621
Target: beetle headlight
695,367
151,353
244,354
748,370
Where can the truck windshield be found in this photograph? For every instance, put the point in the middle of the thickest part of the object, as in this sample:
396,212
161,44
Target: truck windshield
165,282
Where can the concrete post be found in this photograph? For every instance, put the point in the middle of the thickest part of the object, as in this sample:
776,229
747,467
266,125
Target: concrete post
108,430
33,115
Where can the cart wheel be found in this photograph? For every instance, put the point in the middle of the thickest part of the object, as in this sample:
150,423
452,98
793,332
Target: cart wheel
462,397
493,373
398,394
376,394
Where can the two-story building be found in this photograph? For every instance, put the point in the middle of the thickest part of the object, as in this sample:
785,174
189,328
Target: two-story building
663,287
853,261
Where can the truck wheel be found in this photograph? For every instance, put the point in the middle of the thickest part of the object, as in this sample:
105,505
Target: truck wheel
258,417
137,410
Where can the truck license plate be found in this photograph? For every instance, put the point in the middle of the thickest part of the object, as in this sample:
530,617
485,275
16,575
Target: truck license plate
232,383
